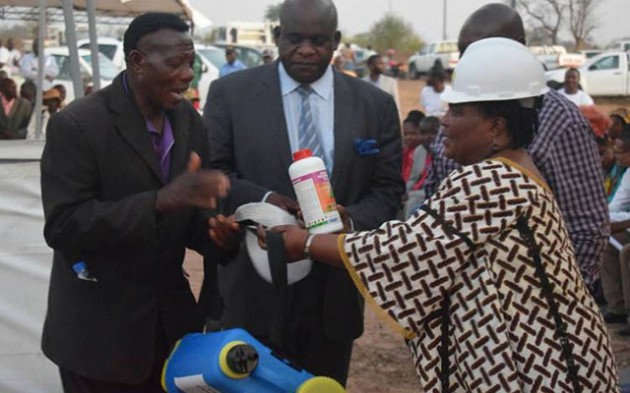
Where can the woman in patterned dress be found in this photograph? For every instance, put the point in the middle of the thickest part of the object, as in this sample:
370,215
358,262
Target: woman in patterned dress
482,281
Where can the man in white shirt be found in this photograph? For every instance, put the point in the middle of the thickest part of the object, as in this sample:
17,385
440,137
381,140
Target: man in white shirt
430,95
29,66
4,60
571,89
14,57
376,65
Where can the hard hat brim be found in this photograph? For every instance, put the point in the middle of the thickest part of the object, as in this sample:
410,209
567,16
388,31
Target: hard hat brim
451,96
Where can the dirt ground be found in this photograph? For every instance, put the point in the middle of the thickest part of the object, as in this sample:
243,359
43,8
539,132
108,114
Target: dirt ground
381,362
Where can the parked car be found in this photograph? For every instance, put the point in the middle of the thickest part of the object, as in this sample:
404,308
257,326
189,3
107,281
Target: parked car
213,58
110,47
588,53
556,56
251,57
421,62
606,74
61,55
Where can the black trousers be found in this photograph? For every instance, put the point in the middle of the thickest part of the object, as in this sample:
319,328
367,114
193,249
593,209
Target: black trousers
308,347
315,353
75,383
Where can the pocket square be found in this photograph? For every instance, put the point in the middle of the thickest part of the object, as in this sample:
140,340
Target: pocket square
366,147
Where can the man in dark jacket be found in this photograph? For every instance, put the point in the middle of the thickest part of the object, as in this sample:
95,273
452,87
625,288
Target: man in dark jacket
123,186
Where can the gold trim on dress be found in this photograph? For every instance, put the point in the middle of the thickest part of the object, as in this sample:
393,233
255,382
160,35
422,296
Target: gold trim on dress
522,169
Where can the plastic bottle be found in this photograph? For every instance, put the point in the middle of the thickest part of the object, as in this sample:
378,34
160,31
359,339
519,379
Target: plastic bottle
80,268
314,193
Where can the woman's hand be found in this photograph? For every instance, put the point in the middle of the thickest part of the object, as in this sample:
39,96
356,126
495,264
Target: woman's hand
294,240
224,232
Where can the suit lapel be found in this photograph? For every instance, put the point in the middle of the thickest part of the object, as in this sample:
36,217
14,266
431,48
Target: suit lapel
270,99
132,126
344,133
180,125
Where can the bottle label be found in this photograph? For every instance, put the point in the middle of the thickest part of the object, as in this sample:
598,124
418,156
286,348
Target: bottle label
316,211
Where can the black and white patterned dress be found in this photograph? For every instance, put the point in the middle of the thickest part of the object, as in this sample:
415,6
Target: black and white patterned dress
483,284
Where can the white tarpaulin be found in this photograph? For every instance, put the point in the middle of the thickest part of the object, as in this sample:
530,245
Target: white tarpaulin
25,263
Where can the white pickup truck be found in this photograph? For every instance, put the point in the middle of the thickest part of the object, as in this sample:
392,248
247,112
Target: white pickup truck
421,62
606,74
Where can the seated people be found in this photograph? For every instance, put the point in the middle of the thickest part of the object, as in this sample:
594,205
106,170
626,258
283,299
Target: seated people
618,118
616,265
52,101
15,112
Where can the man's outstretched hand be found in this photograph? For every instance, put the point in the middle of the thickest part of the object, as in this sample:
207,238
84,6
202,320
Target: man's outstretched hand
196,187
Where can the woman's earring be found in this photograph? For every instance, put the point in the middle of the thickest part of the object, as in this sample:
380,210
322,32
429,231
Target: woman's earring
495,147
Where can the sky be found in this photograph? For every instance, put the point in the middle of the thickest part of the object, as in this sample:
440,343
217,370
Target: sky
425,16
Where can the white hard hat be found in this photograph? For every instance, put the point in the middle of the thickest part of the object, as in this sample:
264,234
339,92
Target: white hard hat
496,69
270,216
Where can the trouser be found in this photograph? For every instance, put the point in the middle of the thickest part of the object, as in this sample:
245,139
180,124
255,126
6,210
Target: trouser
615,275
75,383
315,353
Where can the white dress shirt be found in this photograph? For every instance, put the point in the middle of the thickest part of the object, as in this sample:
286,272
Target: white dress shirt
619,207
322,106
579,98
29,65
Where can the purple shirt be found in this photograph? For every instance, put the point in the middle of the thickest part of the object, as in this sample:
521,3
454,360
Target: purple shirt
162,145
162,142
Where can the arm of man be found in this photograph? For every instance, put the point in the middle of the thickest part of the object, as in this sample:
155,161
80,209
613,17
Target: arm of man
221,138
569,161
382,199
75,217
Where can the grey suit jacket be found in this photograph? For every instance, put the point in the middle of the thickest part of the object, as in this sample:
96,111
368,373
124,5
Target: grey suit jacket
249,140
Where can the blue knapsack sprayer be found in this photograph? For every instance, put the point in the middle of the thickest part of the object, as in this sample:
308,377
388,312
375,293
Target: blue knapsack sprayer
232,361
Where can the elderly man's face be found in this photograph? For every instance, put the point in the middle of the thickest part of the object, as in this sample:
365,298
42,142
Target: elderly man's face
163,67
306,44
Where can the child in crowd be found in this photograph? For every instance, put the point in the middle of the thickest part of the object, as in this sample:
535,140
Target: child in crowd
619,118
411,140
422,136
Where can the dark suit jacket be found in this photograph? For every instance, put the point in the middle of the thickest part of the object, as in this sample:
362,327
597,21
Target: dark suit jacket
249,140
16,121
99,182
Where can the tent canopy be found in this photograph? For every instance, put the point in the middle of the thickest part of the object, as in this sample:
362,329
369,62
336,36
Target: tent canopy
122,8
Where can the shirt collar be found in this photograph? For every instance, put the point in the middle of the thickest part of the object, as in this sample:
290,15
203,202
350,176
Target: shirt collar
323,87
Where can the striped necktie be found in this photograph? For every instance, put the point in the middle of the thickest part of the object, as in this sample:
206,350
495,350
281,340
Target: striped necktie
308,136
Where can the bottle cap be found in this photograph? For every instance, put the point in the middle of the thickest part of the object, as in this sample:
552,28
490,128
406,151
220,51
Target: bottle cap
300,154
79,267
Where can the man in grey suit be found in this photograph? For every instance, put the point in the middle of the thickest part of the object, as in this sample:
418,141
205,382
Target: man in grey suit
256,118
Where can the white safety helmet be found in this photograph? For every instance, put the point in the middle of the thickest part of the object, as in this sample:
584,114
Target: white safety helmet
496,69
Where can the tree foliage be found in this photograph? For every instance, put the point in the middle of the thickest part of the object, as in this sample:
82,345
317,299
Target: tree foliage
545,16
390,31
552,17
582,20
272,13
